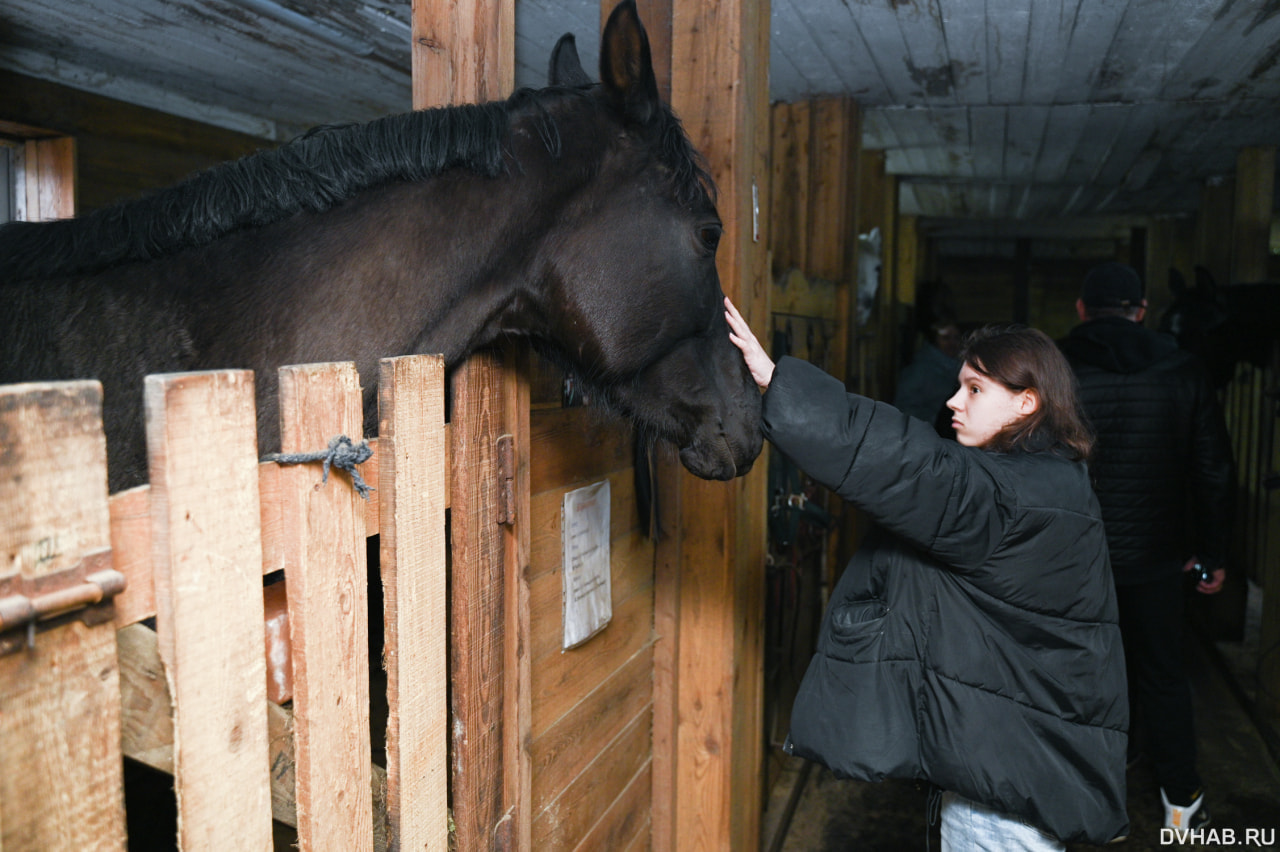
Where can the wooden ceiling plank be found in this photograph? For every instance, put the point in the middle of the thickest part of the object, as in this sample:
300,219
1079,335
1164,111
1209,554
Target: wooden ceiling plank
1065,125
987,137
1025,137
1048,37
1007,40
965,30
1089,33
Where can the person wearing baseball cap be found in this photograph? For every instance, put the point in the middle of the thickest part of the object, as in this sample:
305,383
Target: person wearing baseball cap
1162,447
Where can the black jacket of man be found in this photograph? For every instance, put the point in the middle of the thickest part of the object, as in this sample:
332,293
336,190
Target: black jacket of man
1162,465
973,639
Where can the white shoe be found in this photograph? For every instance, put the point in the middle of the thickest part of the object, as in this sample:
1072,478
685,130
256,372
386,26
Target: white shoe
1194,815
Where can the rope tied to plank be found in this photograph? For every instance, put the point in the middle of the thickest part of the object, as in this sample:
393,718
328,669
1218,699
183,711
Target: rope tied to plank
341,453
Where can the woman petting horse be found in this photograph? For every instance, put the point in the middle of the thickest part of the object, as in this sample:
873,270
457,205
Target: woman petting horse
973,641
578,215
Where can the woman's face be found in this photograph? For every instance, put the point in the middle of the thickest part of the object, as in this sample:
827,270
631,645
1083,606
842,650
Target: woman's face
983,407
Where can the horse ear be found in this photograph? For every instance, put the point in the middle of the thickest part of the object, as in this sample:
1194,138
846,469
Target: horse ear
566,67
626,66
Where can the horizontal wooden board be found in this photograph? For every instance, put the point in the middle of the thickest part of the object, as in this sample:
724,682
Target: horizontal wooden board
627,820
547,510
631,569
575,445
562,679
563,752
564,821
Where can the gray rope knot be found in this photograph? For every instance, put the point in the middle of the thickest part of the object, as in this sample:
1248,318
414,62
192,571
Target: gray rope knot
341,454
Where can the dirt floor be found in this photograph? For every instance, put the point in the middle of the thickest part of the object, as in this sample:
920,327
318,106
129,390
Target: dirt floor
1241,776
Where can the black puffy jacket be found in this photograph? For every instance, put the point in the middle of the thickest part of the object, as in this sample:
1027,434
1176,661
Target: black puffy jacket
1162,465
972,641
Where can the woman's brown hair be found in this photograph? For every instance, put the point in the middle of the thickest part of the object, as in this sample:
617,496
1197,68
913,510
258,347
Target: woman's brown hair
1022,358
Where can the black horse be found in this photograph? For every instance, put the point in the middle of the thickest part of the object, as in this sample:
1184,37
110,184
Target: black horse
579,216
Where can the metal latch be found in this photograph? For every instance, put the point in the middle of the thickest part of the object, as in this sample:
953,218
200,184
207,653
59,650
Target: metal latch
506,480
83,591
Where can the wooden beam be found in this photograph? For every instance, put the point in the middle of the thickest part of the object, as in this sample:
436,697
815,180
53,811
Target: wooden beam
464,52
707,784
1254,200
49,176
1214,229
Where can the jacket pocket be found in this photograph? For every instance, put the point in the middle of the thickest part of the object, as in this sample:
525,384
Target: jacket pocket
856,627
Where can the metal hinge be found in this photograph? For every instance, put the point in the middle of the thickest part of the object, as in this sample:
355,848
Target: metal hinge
83,591
506,480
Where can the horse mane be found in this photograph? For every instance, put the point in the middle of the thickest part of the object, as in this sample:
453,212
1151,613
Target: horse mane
314,172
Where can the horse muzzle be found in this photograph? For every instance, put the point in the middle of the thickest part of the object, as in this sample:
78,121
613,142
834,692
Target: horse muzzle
717,457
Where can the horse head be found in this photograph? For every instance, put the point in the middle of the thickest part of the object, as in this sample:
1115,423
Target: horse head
631,292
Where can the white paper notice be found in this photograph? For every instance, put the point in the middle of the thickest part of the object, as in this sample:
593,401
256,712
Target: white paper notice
584,532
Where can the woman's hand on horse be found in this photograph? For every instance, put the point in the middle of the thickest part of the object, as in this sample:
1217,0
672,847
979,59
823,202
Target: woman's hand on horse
758,361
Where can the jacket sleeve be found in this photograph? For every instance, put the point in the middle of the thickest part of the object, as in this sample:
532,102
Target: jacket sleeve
1213,480
938,495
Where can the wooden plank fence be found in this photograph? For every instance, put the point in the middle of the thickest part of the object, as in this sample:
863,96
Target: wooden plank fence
78,688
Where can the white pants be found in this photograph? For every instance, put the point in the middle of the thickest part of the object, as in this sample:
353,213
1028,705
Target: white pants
970,827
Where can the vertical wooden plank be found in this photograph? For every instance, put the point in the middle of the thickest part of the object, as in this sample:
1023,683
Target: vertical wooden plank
782,157
50,179
413,562
1254,198
1214,228
516,832
833,159
477,601
61,788
906,267
207,558
323,537
719,90
464,53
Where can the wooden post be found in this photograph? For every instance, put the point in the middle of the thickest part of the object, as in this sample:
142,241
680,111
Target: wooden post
1214,229
412,485
906,267
1254,199
60,696
707,786
323,535
49,178
789,186
464,52
207,558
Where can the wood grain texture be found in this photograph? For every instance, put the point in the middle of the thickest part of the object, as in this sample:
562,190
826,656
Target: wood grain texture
324,553
207,553
582,815
413,562
59,700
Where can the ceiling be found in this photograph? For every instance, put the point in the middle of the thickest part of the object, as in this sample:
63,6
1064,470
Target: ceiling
991,112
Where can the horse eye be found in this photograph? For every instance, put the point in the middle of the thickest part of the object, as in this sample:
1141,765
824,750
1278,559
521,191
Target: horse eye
710,236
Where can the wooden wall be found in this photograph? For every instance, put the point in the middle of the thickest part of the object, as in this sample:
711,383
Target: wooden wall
122,150
592,705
